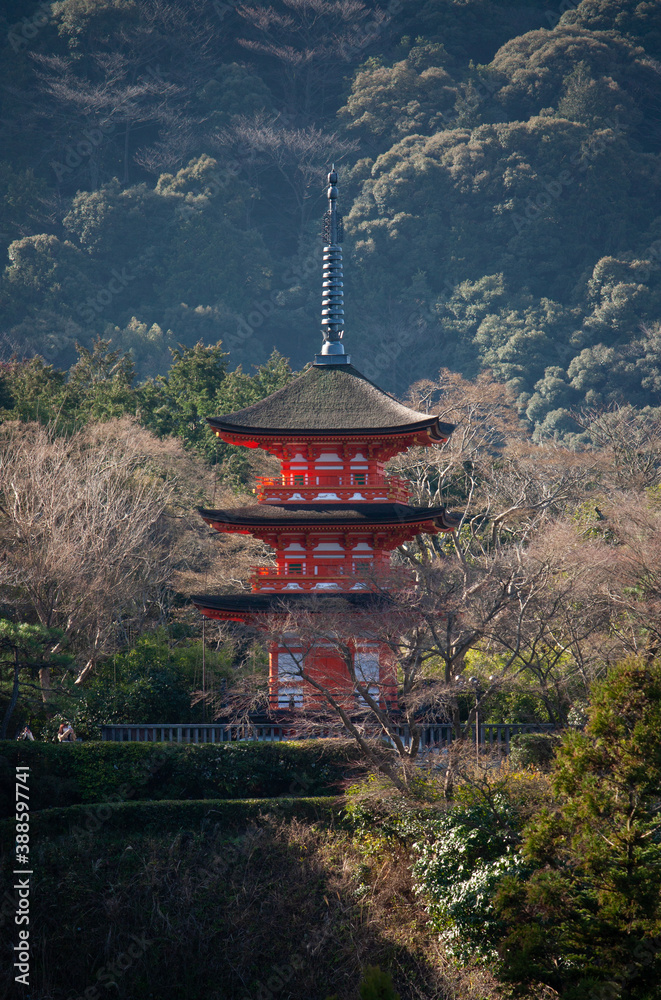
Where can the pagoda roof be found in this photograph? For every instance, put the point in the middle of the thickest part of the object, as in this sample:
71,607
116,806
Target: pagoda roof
266,603
325,400
328,515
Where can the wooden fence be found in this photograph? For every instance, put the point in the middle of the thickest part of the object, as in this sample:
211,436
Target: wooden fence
495,736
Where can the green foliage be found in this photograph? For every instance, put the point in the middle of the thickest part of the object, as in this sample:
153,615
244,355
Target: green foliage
206,816
534,750
377,985
32,390
414,96
511,149
641,22
25,650
462,859
153,682
101,385
198,386
98,772
585,921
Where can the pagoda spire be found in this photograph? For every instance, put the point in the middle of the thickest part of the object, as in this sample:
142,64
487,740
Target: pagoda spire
332,299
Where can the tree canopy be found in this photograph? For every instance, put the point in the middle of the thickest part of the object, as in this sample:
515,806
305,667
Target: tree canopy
163,180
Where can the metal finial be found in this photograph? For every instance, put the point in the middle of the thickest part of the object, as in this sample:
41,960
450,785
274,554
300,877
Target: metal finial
332,300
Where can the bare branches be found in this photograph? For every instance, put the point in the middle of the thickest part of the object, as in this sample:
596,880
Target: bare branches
299,156
84,536
304,38
629,443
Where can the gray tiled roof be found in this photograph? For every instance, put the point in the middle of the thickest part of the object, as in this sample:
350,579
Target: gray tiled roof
266,514
328,398
292,602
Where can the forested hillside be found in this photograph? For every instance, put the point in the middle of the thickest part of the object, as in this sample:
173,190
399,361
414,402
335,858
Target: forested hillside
162,183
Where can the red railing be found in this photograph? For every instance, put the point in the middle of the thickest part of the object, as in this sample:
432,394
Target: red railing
326,571
310,485
397,576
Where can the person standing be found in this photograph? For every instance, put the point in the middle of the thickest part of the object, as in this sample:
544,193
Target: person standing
66,733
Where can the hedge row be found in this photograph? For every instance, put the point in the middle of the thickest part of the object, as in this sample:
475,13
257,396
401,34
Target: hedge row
68,774
210,816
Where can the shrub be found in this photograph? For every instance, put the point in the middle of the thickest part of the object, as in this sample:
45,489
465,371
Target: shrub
587,920
460,862
534,749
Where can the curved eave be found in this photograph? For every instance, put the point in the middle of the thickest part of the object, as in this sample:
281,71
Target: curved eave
437,520
245,607
432,427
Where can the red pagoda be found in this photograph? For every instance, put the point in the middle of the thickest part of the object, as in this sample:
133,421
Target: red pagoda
334,515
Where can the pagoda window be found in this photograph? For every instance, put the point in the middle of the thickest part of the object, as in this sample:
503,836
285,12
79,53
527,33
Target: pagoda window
290,688
361,566
299,480
368,672
359,478
294,569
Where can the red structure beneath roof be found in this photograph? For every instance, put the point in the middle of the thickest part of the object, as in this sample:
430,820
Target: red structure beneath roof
332,517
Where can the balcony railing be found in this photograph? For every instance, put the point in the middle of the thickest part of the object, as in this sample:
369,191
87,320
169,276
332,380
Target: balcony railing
270,576
349,486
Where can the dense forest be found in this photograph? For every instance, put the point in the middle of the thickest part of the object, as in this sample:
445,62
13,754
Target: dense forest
162,184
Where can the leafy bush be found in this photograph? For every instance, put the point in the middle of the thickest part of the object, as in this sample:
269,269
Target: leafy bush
586,921
534,749
150,683
460,862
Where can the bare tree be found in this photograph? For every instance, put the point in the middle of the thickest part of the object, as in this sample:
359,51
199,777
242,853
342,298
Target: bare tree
423,633
629,445
306,39
128,91
85,539
90,112
299,156
629,530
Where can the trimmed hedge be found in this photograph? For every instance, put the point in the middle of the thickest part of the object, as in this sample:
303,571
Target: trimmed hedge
209,816
69,774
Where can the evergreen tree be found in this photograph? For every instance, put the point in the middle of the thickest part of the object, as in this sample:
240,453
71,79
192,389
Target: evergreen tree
587,922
